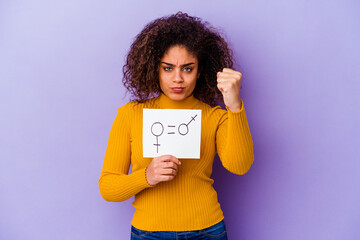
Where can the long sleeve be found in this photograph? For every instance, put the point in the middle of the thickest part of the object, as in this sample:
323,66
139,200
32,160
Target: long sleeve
115,183
234,142
188,202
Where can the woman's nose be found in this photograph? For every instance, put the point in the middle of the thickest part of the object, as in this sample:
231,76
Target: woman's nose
178,76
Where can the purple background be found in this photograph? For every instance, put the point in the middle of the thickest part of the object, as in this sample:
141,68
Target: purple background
60,72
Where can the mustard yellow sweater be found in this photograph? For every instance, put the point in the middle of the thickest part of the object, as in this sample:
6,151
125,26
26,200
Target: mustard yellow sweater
189,202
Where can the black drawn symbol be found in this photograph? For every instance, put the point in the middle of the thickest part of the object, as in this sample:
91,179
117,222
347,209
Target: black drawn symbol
184,128
171,126
157,130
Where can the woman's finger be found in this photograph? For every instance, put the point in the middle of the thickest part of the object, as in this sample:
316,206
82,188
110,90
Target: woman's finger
226,75
170,165
168,171
164,178
168,158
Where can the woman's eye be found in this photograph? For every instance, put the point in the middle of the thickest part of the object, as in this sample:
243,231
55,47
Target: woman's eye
167,68
187,69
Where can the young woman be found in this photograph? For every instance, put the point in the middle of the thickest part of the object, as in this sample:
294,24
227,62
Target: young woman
177,62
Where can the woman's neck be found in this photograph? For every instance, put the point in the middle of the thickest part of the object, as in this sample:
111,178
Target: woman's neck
188,103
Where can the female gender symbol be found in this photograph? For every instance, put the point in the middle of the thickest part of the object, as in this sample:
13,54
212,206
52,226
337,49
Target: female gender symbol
157,129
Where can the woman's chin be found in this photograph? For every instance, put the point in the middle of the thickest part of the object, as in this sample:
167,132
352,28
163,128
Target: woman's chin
177,96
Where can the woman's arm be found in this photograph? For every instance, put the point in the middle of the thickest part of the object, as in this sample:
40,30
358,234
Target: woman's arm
233,138
234,143
115,183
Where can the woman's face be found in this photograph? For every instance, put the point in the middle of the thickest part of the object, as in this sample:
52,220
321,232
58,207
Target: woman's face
178,73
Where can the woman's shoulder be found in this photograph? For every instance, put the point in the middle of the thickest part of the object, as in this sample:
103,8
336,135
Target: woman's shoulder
213,110
136,106
214,114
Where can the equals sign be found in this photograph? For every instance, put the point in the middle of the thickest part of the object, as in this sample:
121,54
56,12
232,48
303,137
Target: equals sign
171,132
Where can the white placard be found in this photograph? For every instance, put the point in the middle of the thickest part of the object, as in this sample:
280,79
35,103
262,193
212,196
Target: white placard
171,131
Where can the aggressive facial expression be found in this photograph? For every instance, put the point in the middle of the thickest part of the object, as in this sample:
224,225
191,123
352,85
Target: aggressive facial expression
178,73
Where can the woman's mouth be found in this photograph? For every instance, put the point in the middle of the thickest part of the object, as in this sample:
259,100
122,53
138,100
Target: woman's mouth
177,89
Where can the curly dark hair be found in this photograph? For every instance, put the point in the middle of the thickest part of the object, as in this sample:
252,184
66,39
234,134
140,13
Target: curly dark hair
141,71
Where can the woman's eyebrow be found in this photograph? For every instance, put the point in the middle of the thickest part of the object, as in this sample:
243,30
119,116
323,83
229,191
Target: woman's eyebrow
185,65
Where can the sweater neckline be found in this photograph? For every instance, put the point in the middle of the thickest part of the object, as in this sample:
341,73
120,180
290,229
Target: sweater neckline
188,103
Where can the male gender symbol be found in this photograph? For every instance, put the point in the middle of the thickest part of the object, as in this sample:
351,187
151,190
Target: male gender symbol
183,128
157,129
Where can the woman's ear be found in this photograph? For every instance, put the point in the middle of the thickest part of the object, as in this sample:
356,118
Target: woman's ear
198,75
